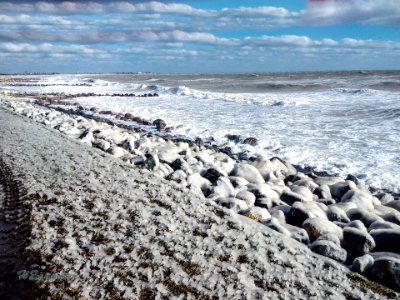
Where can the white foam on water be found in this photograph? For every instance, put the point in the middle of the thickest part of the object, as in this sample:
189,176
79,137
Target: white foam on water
344,131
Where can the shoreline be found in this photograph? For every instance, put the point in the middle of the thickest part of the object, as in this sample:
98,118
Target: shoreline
170,241
258,190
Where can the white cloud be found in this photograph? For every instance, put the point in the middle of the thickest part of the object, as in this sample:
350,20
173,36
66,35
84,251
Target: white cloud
355,11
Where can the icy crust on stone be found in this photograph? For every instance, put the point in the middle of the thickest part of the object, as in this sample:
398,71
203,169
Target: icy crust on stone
114,230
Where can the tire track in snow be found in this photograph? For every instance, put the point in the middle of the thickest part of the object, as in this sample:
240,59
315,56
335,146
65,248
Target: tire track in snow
14,233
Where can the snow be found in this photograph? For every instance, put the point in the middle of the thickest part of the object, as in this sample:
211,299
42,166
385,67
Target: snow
119,231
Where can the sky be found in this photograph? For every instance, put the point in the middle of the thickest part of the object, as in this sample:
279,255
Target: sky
199,36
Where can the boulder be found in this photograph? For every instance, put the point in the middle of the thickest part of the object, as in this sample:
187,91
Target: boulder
357,242
316,227
263,190
290,197
129,144
386,198
323,192
238,181
309,184
101,144
160,124
263,165
212,174
362,264
248,172
250,141
138,160
327,202
223,187
329,249
299,234
383,225
197,180
386,270
303,191
263,202
335,213
328,180
257,213
180,164
340,188
386,240
233,204
358,225
367,217
248,197
361,199
116,151
301,211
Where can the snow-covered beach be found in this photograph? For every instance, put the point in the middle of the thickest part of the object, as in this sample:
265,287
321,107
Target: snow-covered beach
112,226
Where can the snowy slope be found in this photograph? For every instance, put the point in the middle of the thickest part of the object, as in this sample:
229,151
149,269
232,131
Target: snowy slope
104,229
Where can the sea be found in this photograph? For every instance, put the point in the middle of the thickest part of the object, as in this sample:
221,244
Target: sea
338,122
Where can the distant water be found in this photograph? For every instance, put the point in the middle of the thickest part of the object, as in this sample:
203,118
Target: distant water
339,122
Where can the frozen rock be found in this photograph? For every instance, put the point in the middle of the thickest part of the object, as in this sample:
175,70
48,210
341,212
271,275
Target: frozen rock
383,225
329,237
340,188
358,225
205,158
263,202
197,180
223,187
168,156
101,144
285,209
166,169
143,144
180,164
138,160
327,202
290,197
386,199
360,198
357,242
263,190
263,165
87,137
116,151
387,271
301,211
232,203
329,249
247,196
323,192
303,191
386,240
177,176
212,174
388,214
238,181
299,234
248,172
152,162
328,180
257,213
308,183
335,213
129,144
362,264
319,226
367,217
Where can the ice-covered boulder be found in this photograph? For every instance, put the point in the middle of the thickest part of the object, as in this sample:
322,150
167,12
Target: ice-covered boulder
248,172
329,249
357,242
386,240
315,227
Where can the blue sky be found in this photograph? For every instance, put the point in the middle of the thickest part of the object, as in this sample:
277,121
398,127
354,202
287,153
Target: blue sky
199,36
